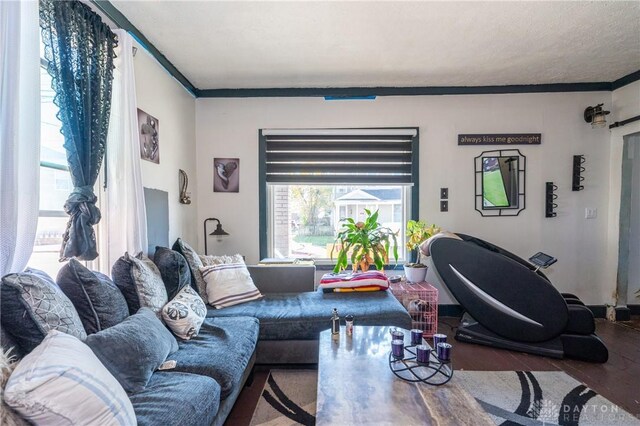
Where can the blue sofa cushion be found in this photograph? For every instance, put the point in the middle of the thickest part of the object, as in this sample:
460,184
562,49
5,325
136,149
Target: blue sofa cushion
133,349
31,305
172,398
222,350
194,262
174,270
96,298
302,316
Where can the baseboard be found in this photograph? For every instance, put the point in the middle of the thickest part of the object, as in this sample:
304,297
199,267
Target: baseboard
634,309
623,313
599,311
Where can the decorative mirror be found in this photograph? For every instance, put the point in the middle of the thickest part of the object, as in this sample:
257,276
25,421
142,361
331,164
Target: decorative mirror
500,182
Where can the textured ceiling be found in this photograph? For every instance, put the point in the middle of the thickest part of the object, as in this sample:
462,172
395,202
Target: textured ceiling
277,44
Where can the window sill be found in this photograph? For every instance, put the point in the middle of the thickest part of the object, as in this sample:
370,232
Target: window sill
392,267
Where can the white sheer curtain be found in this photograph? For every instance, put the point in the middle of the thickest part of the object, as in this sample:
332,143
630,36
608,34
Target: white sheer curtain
124,223
19,132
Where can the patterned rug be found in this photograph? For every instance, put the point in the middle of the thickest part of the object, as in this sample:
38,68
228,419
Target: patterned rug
288,398
540,398
510,397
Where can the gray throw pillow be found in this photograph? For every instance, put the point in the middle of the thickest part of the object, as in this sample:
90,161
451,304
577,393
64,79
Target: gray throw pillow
140,282
133,349
96,298
174,270
197,282
31,305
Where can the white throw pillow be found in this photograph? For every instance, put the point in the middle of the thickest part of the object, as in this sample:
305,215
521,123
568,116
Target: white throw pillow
185,313
229,284
210,260
62,382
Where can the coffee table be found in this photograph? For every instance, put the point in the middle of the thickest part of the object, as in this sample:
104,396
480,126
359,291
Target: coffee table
356,386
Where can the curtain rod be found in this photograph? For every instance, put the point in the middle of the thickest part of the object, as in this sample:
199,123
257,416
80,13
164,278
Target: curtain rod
623,122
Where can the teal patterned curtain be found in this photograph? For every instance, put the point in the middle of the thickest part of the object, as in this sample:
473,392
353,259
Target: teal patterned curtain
79,48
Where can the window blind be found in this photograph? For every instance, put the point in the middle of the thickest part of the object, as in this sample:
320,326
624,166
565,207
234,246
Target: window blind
347,156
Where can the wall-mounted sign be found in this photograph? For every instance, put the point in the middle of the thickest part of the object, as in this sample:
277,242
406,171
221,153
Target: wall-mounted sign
501,139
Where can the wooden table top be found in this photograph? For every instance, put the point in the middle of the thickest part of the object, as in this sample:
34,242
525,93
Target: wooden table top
356,386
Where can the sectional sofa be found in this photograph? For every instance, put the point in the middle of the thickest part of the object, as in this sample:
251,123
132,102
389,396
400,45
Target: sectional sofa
292,313
282,327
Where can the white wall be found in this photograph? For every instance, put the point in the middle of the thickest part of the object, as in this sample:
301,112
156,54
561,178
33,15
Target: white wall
162,96
625,104
229,128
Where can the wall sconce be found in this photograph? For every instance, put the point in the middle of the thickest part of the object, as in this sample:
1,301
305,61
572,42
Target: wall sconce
218,233
596,116
185,197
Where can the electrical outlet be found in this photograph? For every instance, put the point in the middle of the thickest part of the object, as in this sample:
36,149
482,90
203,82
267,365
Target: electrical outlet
444,193
590,213
444,206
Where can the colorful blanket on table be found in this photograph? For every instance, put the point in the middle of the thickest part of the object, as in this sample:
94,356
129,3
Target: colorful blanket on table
361,281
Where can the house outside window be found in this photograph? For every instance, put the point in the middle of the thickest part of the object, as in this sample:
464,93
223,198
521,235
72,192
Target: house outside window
313,179
55,184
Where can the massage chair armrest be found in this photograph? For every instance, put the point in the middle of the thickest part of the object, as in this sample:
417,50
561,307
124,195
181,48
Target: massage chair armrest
283,279
581,320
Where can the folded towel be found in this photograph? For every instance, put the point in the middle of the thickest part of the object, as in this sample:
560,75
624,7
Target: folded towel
359,289
350,280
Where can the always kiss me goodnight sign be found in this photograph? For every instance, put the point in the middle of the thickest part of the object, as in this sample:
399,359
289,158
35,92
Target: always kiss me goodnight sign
501,139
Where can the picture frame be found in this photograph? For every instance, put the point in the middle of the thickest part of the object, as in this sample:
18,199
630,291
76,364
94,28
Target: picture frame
149,136
226,175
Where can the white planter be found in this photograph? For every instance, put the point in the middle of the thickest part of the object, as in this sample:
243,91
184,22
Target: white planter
415,275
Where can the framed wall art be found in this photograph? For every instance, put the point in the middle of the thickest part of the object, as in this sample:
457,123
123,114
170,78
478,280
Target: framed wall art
226,175
149,134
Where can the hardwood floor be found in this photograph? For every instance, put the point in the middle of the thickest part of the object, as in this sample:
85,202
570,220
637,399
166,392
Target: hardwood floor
617,380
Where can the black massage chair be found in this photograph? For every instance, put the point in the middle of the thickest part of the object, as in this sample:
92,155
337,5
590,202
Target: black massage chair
510,304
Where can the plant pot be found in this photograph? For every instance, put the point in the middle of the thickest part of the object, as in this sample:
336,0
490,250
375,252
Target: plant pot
415,274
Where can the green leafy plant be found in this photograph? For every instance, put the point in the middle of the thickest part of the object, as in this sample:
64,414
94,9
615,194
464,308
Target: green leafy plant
364,243
418,231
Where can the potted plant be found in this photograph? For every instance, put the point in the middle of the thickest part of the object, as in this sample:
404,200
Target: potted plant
364,243
418,231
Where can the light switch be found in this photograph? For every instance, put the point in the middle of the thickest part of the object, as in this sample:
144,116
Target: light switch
590,213
444,193
444,206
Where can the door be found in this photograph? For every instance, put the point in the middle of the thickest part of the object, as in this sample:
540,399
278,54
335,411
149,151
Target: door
629,242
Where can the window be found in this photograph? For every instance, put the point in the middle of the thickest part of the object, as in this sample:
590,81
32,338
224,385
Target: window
312,179
55,184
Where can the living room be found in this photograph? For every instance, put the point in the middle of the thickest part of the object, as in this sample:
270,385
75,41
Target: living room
222,78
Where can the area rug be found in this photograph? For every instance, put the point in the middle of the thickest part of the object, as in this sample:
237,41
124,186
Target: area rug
540,398
288,398
509,397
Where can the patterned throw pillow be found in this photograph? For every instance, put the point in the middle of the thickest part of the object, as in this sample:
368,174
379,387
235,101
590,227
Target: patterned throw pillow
96,298
195,264
209,260
62,382
31,305
174,270
229,284
185,313
140,282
